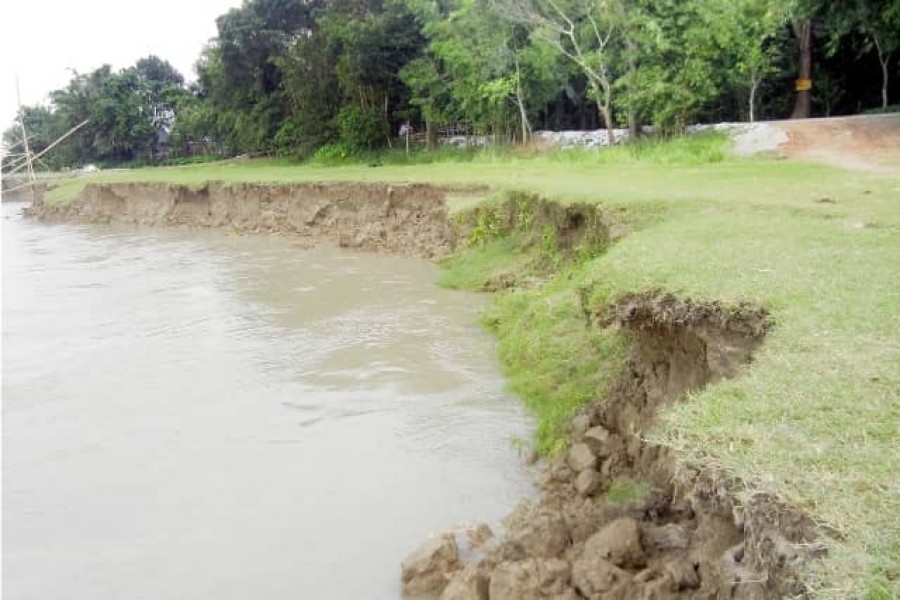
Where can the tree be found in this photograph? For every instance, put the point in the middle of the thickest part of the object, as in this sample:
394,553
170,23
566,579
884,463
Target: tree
492,75
878,21
587,32
313,92
881,22
676,69
803,33
43,127
430,93
745,30
240,72
373,41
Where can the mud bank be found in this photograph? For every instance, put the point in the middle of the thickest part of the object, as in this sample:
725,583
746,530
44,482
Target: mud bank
408,220
621,518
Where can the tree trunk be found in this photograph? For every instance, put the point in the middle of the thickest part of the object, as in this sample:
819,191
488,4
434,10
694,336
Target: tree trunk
523,114
754,84
631,48
431,135
884,59
607,117
526,126
803,30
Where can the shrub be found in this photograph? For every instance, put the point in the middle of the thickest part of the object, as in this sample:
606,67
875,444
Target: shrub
334,152
363,129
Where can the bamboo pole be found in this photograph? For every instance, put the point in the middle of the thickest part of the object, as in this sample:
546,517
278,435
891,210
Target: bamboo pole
19,187
28,162
58,141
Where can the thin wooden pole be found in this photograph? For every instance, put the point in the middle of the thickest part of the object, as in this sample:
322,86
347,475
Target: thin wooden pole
28,162
18,159
58,141
18,187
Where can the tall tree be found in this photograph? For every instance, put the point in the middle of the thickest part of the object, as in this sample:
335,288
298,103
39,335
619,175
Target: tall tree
877,21
587,32
496,78
240,70
313,91
678,67
746,30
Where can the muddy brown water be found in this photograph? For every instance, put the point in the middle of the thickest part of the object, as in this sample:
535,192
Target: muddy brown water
205,415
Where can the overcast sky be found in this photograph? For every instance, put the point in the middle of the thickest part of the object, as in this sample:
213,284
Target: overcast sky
41,39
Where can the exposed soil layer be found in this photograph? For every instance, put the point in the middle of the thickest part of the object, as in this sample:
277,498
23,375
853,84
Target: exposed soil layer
621,518
404,219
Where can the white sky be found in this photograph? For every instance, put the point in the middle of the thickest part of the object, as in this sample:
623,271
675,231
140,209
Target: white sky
41,39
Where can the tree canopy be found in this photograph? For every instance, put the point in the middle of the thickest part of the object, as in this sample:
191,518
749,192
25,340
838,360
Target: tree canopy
289,76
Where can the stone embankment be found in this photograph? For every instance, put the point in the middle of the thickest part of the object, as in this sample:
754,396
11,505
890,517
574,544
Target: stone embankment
621,518
402,219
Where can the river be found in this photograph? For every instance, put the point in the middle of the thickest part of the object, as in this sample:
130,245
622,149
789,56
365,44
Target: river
214,416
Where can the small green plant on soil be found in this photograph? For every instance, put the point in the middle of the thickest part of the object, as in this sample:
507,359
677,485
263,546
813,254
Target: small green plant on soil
524,212
625,491
487,227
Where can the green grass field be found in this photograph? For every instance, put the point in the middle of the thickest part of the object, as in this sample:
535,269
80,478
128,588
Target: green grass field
816,418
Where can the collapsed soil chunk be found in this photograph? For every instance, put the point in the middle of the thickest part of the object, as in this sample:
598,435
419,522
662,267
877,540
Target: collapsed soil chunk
430,567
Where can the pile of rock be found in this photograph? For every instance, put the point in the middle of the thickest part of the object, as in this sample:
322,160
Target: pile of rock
749,138
573,543
542,561
598,138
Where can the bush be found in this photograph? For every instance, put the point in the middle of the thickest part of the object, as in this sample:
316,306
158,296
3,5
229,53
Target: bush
334,152
363,129
287,139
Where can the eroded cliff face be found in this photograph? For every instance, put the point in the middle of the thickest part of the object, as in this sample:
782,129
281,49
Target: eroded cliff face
403,219
620,517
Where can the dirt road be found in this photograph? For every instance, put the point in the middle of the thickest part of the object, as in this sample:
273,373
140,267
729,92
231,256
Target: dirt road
865,142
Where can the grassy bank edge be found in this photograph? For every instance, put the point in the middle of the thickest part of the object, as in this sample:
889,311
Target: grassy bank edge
557,363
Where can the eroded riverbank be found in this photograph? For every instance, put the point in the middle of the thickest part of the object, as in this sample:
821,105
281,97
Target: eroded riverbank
721,541
620,517
400,219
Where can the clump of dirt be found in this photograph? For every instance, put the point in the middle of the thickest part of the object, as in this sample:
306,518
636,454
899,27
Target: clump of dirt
621,518
404,219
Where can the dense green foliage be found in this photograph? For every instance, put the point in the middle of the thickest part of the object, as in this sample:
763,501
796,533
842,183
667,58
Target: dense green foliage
285,77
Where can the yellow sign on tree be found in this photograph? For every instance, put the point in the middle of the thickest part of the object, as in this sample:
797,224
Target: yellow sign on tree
802,85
